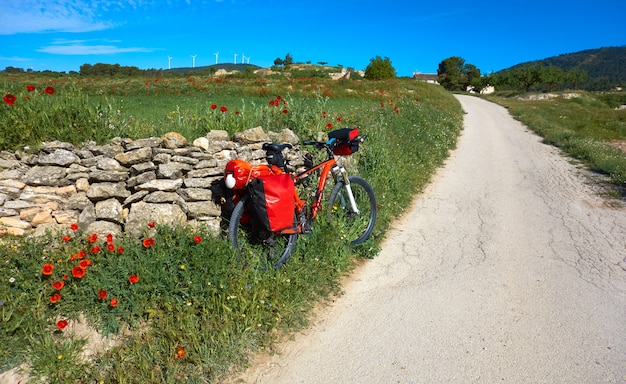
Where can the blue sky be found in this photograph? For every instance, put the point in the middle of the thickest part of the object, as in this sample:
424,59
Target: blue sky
61,35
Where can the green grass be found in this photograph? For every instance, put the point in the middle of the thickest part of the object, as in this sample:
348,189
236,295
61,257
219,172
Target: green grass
585,127
190,295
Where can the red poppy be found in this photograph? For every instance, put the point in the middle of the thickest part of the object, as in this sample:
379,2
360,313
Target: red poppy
74,227
329,125
113,302
78,272
111,247
120,250
55,298
109,238
9,99
134,279
95,249
148,242
278,97
180,352
92,238
30,88
82,254
62,324
339,119
213,106
324,114
65,239
285,111
49,90
47,269
382,105
197,239
102,294
223,109
272,103
85,263
64,277
73,257
151,224
58,285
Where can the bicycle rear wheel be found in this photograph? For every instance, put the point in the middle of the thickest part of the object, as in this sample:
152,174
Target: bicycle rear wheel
356,227
251,240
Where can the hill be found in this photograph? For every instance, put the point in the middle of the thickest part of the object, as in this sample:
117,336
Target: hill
605,67
213,68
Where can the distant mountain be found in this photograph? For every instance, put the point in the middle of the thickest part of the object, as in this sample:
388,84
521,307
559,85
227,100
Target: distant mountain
213,68
605,67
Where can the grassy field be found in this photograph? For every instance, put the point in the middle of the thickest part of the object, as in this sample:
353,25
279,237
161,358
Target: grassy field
182,308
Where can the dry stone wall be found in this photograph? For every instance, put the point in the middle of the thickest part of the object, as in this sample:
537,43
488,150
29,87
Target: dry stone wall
123,185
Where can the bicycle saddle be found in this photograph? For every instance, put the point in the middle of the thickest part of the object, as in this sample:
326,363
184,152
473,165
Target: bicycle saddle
275,147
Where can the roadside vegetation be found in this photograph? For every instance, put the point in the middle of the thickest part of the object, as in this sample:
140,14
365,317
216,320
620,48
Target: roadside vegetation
587,126
178,306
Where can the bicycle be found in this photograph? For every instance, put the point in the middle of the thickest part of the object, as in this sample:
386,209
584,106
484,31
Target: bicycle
352,201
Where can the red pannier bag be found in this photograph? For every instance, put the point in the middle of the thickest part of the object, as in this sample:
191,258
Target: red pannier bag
273,201
243,172
345,141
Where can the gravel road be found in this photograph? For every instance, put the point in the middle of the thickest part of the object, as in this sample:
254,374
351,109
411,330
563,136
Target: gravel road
509,268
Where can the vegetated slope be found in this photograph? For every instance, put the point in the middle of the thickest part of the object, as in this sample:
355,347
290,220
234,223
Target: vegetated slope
604,66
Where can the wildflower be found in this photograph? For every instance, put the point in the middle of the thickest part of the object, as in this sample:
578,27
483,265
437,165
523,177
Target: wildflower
102,294
64,277
180,352
339,119
65,239
329,125
120,250
11,280
78,272
73,257
197,239
111,247
182,266
213,106
113,302
151,224
58,285
95,249
62,324
92,238
272,103
82,254
55,298
47,269
285,111
223,109
133,279
74,227
237,112
148,242
109,238
49,90
30,88
85,263
9,99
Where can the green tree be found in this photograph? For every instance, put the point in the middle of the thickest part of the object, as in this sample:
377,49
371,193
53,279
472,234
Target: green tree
288,59
278,61
552,76
379,69
528,76
455,75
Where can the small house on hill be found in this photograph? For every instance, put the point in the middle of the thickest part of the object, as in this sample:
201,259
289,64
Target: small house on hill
427,77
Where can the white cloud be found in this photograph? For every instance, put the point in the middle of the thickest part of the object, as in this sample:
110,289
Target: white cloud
82,47
28,16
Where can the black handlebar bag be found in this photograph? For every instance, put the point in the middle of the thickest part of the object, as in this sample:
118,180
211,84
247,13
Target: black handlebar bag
273,201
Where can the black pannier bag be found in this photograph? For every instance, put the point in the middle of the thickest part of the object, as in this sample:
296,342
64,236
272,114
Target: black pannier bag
273,201
346,141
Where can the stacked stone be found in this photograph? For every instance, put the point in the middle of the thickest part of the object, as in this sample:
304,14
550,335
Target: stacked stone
123,185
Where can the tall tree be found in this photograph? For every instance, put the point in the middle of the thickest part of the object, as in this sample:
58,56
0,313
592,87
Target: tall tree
379,69
455,75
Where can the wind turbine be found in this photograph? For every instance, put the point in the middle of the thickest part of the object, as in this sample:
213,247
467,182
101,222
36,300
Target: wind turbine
193,61
248,59
169,62
235,58
216,54
243,58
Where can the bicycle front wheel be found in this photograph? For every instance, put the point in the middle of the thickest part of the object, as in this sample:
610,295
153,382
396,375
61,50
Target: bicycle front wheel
250,240
356,227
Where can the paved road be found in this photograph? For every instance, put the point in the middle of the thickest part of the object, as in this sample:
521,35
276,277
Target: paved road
508,268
